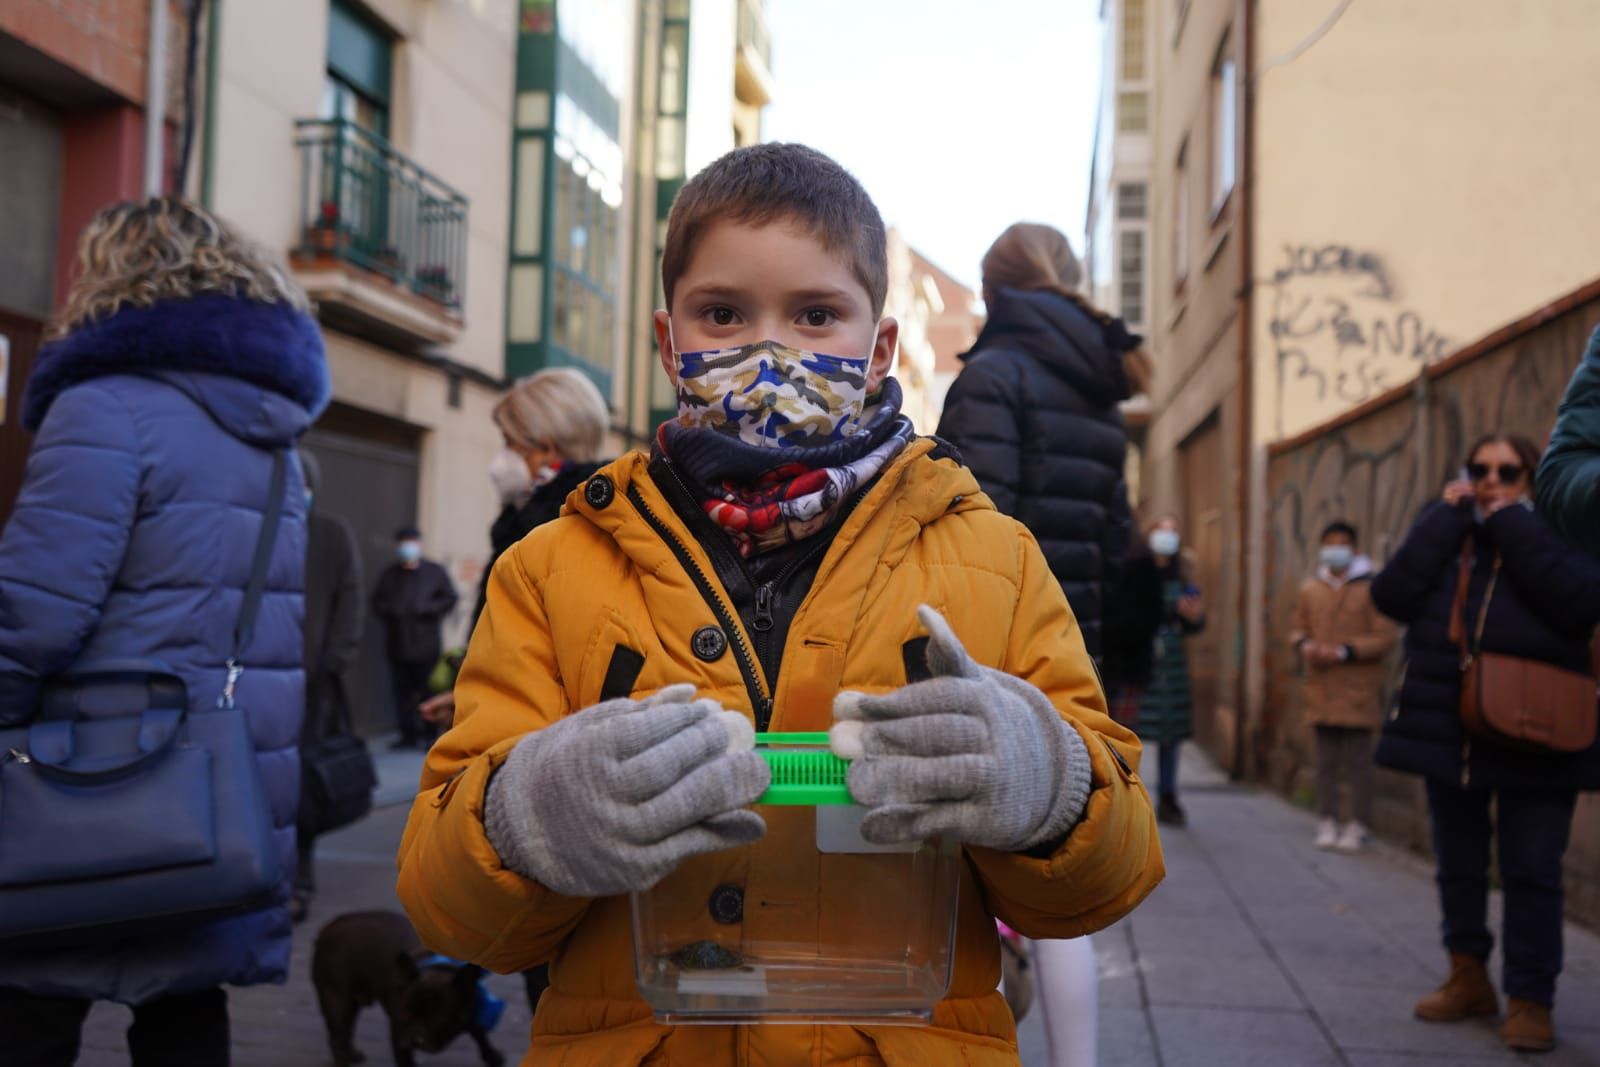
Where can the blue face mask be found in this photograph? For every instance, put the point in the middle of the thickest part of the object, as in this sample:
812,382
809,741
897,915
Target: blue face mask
409,551
1165,543
1337,558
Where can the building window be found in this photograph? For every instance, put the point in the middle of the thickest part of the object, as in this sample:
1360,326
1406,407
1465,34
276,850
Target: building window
1224,127
360,64
1130,274
1180,217
1132,201
1133,41
1133,112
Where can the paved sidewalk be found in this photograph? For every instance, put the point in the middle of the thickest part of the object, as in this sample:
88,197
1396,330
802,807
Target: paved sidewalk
1257,950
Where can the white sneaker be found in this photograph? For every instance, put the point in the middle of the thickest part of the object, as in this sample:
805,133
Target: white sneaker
1354,838
1327,834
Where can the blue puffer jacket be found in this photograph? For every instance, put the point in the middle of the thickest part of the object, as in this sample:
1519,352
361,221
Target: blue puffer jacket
1546,603
133,537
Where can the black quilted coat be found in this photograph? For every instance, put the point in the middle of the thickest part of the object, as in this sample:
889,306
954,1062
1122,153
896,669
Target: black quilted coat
1035,415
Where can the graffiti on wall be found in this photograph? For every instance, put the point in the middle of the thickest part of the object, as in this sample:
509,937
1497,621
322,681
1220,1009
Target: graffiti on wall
1340,333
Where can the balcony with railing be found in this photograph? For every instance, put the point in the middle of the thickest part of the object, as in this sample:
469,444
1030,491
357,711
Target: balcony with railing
382,241
753,71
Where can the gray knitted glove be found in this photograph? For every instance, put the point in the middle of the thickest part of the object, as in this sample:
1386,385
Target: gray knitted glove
611,799
974,753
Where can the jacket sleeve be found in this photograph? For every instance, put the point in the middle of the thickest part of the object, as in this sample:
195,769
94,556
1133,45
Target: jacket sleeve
444,595
65,542
1300,621
463,901
1558,581
1569,478
982,418
1380,636
348,618
1112,859
1401,588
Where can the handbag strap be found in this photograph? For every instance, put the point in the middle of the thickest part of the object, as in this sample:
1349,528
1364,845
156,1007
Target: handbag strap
1458,610
244,630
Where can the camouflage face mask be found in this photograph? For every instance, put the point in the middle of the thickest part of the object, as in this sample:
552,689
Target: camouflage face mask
771,395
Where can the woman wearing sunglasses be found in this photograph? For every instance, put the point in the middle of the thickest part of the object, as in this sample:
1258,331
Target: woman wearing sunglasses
1534,598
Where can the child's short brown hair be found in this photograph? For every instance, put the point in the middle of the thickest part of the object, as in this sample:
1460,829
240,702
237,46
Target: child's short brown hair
763,183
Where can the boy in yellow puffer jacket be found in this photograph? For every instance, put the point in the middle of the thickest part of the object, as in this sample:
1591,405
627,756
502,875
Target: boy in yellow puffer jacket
789,557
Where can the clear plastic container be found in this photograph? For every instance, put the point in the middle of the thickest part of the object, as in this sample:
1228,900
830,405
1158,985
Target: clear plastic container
810,923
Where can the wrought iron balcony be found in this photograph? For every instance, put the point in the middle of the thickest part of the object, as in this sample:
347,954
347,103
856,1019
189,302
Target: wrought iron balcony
365,204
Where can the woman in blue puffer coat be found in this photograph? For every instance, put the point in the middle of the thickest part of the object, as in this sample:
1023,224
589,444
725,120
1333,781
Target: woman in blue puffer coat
184,359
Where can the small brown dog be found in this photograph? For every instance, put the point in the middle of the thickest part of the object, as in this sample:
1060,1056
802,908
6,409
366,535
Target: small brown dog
375,957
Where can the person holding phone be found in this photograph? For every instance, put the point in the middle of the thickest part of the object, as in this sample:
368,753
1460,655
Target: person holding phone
1531,596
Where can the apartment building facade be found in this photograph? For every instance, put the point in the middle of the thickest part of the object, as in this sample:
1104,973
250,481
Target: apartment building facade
1338,196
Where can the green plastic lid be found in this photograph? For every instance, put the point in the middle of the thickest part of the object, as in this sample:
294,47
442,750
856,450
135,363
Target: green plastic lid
804,770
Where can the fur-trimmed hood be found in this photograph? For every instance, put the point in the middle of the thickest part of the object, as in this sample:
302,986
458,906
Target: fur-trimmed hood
258,369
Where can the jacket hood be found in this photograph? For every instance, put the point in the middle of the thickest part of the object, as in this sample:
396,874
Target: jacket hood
1360,567
258,369
1063,337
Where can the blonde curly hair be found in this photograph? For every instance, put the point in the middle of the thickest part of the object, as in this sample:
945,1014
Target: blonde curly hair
141,252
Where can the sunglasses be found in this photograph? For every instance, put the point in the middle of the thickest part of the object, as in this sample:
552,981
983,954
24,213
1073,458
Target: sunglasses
1510,473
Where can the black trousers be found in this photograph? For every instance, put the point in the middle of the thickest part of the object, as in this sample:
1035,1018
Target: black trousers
1535,825
410,690
190,1030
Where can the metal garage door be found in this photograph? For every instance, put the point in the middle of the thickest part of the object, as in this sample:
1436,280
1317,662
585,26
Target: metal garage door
369,473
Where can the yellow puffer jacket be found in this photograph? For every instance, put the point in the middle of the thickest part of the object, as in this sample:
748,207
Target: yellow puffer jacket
605,575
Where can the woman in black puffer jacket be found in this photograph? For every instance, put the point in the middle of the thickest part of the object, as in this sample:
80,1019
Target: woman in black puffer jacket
1543,606
1035,414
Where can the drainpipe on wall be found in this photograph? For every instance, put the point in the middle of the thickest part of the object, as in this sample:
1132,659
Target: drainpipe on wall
1243,746
155,102
208,150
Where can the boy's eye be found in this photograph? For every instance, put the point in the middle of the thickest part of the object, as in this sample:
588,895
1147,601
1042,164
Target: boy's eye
818,317
722,316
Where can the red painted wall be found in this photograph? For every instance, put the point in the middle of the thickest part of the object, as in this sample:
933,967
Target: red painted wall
102,162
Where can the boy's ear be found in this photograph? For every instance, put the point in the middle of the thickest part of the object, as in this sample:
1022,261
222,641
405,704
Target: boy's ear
669,362
883,349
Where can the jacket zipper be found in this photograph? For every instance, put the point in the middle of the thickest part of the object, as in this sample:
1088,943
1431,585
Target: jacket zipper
767,594
760,703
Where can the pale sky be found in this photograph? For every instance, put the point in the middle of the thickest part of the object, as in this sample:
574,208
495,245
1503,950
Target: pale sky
960,118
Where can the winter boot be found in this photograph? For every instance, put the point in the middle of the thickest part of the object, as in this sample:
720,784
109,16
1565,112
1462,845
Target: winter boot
1169,812
1527,1027
1466,993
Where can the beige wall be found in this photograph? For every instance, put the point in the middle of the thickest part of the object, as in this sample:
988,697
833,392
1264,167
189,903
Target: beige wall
451,113
1423,176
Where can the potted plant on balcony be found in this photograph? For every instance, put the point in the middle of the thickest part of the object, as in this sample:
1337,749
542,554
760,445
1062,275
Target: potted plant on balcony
386,261
323,234
433,281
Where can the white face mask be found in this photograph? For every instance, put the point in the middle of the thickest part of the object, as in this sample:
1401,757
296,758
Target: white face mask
509,473
409,551
1337,558
1165,542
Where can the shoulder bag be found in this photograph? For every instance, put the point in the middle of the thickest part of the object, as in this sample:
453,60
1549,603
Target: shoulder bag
1516,702
122,808
337,774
